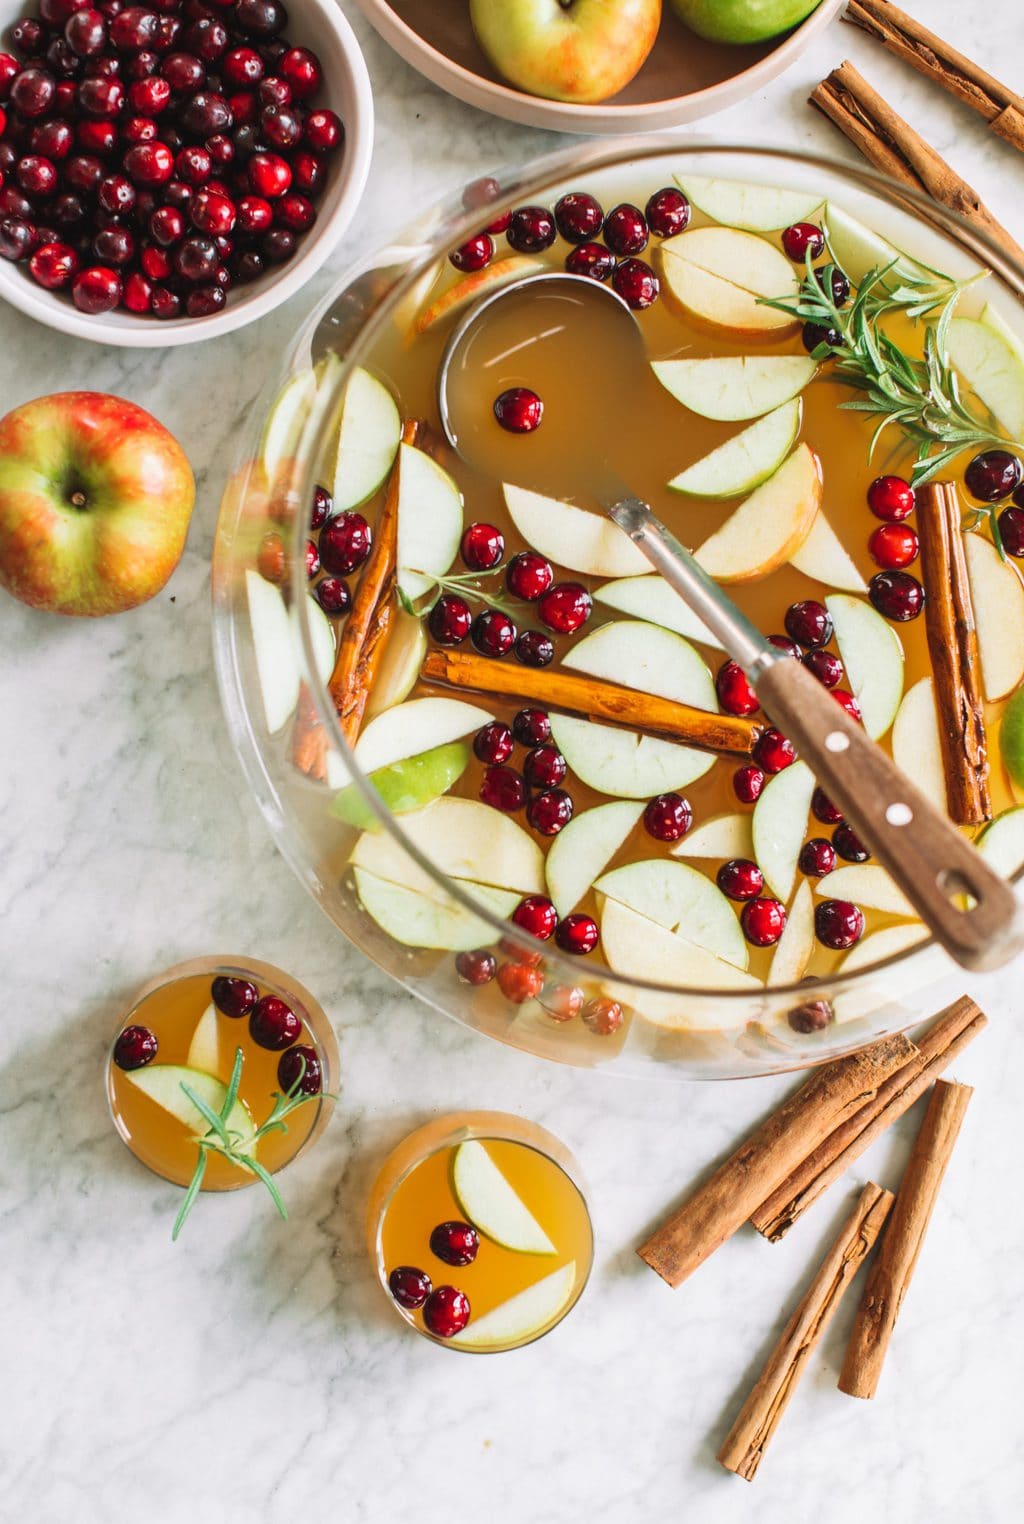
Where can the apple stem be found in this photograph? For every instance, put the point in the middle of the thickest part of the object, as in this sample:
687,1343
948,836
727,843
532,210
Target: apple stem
78,499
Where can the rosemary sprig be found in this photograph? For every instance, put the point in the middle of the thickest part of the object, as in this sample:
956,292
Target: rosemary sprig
231,1145
920,395
466,585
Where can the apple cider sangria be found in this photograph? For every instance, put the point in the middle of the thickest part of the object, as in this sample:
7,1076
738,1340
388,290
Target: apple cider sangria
479,1231
221,1073
833,425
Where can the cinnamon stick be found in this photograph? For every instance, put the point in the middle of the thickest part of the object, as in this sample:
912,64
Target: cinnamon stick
893,1270
759,1417
892,145
309,739
953,647
593,700
946,66
935,1050
723,1203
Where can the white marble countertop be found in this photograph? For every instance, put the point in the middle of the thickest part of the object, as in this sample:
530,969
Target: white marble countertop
253,1371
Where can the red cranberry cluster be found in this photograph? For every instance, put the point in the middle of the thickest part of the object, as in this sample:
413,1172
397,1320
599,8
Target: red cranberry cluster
154,156
272,1025
521,978
446,1310
581,221
505,788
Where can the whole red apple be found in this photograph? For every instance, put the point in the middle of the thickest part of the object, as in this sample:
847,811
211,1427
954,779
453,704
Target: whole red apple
95,501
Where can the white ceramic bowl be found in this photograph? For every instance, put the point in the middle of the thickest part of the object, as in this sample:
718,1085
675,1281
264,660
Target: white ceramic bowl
316,24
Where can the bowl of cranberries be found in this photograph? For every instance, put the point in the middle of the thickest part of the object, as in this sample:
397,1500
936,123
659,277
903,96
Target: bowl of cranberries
174,169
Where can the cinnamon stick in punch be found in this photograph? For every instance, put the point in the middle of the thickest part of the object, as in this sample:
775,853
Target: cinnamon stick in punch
897,1257
953,648
828,1098
935,1049
743,1448
1001,107
892,145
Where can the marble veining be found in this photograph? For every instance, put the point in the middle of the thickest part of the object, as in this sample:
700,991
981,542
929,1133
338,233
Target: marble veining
253,1372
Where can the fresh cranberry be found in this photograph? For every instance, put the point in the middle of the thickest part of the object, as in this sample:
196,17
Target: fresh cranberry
528,576
446,1311
32,92
307,172
212,212
301,68
333,596
52,139
602,1017
531,230
139,129
747,783
544,767
812,1016
409,1287
763,922
36,176
534,649
207,112
503,789
14,204
783,643
817,857
99,96
531,727
166,226
668,817
477,967
324,131
269,175
838,924
565,607
537,915
773,752
277,245
480,193
893,546
135,1047
520,982
165,303
312,556
155,263
66,211
323,505
299,1071
17,238
992,475
260,18
247,264
281,127
891,498
273,1024
83,172
207,38
149,96
345,544
592,260
183,72
493,743
562,1002
740,879
897,595
149,163
735,694
9,70
667,212
823,809
1011,531
493,632
132,29
849,845
96,137
195,259
809,623
242,67
53,265
801,239
233,996
254,214
482,547
838,283
475,254
114,246
273,91
30,36
96,290
576,934
456,1243
450,621
625,230
550,812
578,217
116,195
518,410
636,283
827,667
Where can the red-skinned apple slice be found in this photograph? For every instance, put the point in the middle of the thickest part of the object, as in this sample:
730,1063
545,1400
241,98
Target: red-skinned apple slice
762,534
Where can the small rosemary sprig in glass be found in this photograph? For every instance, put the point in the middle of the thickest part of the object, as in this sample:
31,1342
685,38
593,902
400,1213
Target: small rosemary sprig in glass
466,585
232,1145
918,394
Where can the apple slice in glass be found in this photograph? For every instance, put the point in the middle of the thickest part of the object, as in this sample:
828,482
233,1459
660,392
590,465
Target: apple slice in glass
753,208
1002,841
400,666
404,786
998,597
581,852
746,460
718,275
573,537
867,885
463,839
369,429
648,658
824,557
472,286
524,1316
650,598
856,249
638,948
624,764
204,1049
274,648
429,521
163,1082
733,388
682,900
764,531
419,725
795,947
872,654
285,421
491,1204
779,826
890,984
916,743
416,919
724,837
992,368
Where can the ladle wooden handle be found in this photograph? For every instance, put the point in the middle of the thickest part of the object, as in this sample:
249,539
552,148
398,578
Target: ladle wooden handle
969,908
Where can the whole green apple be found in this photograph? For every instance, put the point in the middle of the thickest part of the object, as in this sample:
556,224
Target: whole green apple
95,501
567,50
742,20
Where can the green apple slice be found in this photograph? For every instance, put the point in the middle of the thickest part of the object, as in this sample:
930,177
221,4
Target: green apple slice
416,726
991,368
623,763
652,599
1011,738
491,1204
463,839
369,430
682,900
204,1049
400,667
274,648
286,420
524,1316
780,826
746,460
724,836
872,654
756,208
405,786
648,658
719,275
416,919
163,1082
858,249
867,885
321,635
736,387
770,525
998,597
893,982
1001,843
794,948
573,537
429,521
638,948
916,744
824,557
580,853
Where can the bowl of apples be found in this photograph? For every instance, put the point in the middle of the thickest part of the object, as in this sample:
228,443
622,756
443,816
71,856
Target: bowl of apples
169,174
506,758
600,66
